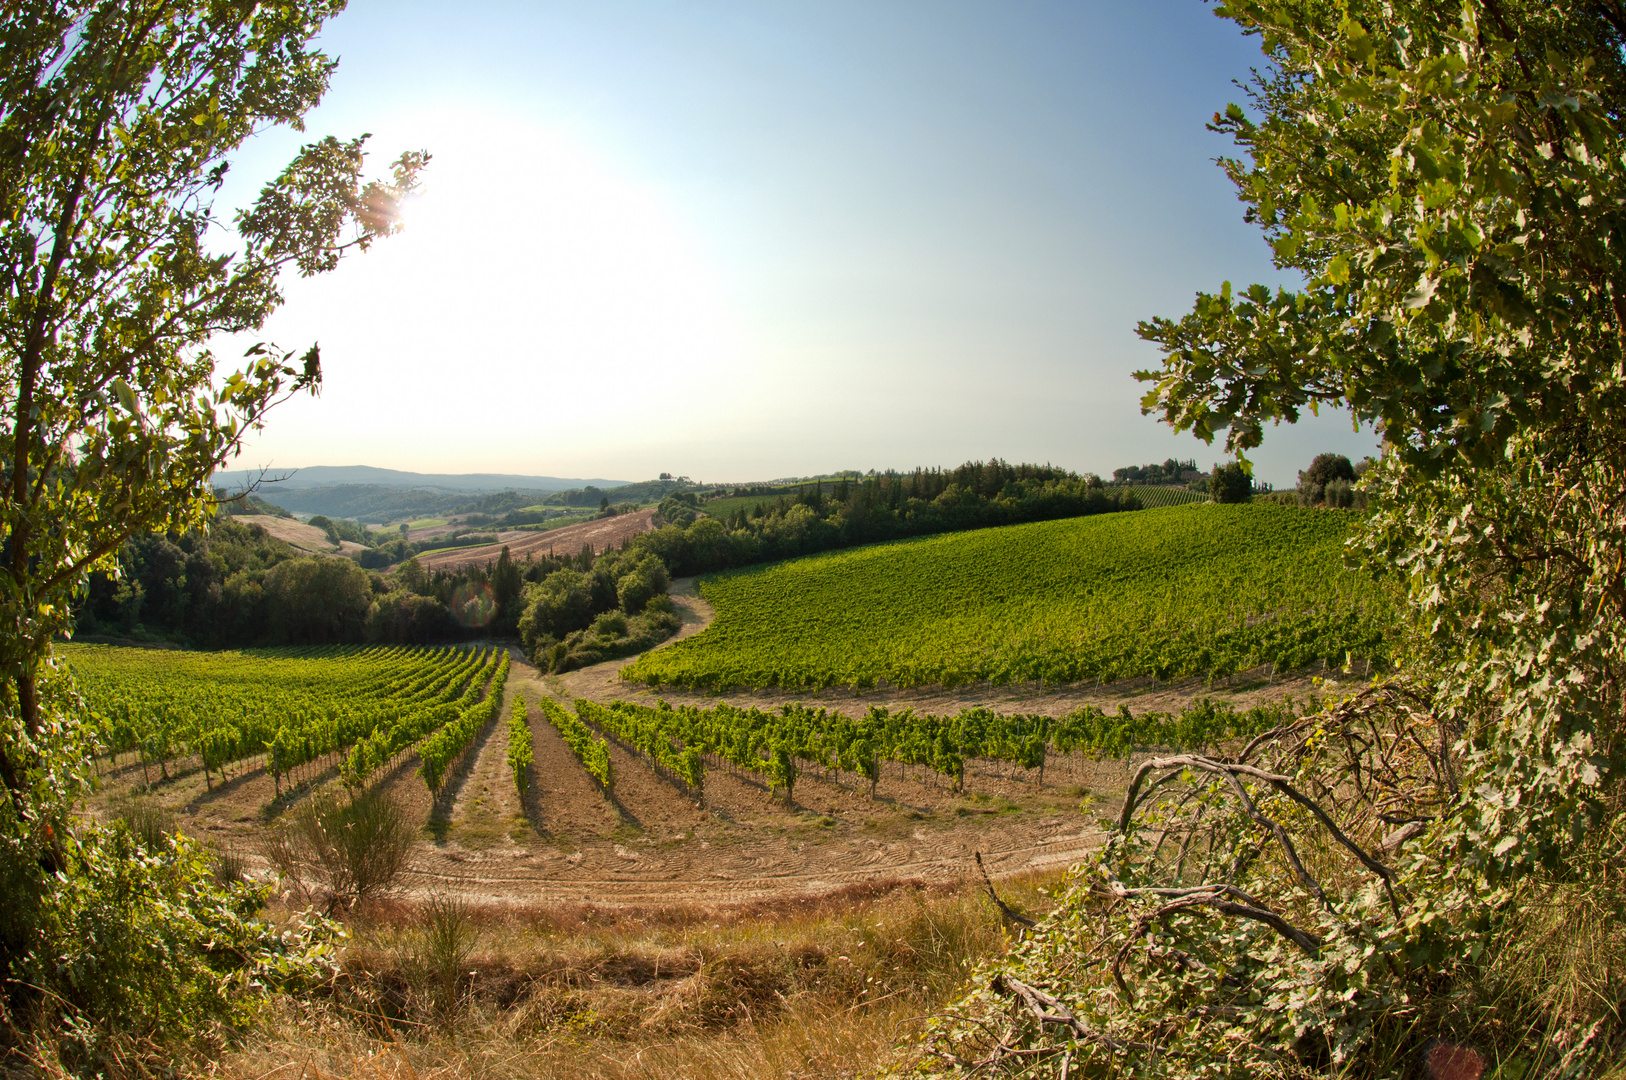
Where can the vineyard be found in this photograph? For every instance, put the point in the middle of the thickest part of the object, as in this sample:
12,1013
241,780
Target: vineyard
584,796
680,744
1204,590
295,712
1152,496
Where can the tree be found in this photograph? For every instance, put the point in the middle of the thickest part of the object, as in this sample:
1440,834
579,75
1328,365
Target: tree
1325,469
560,603
1448,184
117,120
1230,484
318,600
641,582
413,577
507,583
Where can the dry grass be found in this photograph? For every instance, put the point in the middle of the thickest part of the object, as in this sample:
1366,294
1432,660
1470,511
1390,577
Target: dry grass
797,988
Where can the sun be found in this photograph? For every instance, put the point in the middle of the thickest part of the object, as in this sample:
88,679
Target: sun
537,287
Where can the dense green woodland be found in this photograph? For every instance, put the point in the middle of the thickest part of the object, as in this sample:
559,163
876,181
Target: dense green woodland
232,584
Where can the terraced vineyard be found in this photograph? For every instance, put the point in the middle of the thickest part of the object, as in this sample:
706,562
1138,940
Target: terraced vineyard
1188,590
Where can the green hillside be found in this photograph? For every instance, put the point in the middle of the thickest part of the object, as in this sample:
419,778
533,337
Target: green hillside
1188,590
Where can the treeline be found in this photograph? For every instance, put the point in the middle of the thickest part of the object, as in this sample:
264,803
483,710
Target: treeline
1172,471
234,585
377,503
875,507
645,491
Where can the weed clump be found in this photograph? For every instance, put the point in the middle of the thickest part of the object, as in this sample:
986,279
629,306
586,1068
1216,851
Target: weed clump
350,849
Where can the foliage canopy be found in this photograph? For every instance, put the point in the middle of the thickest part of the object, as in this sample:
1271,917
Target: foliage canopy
117,120
1394,875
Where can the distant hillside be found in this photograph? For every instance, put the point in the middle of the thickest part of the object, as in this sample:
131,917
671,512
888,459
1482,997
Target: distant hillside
375,502
327,476
240,505
378,503
1198,590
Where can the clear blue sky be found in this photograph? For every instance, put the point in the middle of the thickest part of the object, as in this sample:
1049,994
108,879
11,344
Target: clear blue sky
743,241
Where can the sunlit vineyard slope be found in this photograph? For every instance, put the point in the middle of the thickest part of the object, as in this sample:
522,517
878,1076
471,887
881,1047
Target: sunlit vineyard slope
1187,590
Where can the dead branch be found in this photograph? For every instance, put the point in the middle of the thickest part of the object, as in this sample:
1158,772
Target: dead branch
1227,899
1050,1010
1004,910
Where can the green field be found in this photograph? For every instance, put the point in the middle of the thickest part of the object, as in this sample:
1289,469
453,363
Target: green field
426,523
1191,590
724,507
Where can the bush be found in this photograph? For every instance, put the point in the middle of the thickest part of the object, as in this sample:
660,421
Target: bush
442,954
353,849
149,823
139,949
1339,494
612,634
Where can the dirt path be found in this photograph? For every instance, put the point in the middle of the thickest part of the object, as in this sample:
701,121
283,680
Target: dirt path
487,811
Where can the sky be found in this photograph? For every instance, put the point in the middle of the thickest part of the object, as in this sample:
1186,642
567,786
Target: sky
742,241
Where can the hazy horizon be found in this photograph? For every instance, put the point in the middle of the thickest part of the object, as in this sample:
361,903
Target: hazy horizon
724,240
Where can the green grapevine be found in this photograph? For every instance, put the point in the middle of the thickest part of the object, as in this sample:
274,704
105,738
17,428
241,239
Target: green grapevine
1201,590
519,746
591,750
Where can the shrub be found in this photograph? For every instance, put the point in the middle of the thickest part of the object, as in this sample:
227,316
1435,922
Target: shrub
442,954
354,848
149,822
139,949
612,634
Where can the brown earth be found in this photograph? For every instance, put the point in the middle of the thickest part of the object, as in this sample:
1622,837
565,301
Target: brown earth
307,538
603,534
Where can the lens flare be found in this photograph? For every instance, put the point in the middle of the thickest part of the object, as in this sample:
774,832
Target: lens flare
474,605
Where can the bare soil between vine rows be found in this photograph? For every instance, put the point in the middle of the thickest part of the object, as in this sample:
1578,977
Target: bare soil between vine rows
648,843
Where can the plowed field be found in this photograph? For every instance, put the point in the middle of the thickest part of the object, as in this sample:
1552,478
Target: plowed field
603,534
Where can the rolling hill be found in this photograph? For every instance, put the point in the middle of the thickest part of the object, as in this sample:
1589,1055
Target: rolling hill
1187,590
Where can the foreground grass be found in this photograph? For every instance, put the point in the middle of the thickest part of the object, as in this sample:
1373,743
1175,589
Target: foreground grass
824,987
